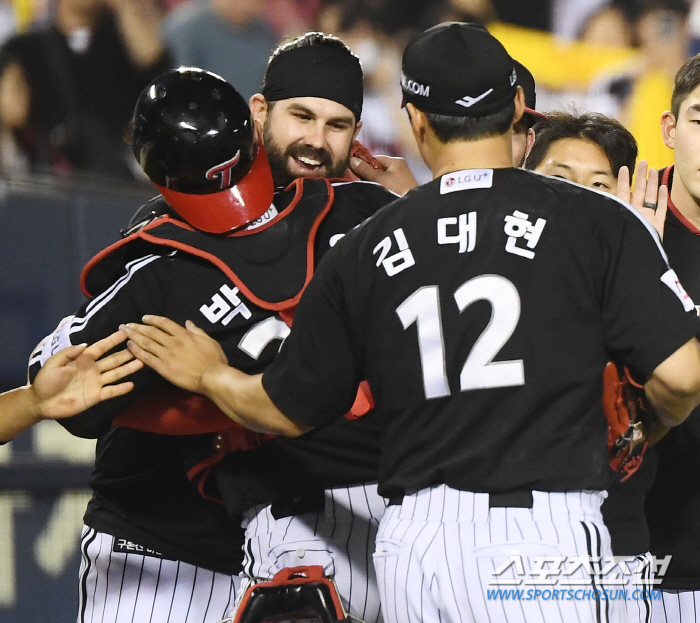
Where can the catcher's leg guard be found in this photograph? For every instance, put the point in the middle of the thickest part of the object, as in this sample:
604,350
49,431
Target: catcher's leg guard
293,593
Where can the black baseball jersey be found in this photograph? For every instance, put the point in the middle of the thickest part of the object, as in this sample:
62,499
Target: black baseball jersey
140,487
673,502
482,308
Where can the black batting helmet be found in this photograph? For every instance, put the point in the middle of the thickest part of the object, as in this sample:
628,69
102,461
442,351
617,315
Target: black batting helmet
193,137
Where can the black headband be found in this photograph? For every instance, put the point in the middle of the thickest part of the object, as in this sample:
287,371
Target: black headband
316,71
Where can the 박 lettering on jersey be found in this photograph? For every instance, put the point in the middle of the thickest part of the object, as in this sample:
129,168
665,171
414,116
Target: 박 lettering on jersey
465,236
394,264
671,280
518,226
466,180
124,546
225,310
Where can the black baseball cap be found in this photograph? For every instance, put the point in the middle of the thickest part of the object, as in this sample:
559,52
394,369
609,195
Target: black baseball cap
527,81
458,69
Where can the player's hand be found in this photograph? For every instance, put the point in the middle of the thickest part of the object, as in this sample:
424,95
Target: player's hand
648,198
396,175
75,378
181,355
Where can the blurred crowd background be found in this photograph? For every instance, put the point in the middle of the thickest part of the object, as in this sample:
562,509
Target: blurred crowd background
70,70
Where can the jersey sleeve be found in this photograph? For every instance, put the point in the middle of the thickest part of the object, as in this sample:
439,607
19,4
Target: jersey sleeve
647,315
314,378
137,292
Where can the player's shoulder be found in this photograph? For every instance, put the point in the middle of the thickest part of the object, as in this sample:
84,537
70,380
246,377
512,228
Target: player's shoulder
367,197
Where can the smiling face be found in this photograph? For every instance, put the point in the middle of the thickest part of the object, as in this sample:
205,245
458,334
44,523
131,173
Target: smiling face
307,137
580,161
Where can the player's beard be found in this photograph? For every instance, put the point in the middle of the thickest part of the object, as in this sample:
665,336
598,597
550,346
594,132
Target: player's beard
279,160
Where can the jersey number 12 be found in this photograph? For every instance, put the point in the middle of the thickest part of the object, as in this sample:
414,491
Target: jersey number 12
479,370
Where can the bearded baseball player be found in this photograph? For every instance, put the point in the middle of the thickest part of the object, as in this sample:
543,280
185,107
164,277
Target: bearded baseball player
310,501
482,308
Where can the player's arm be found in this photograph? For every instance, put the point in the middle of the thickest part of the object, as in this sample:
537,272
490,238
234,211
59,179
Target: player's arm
70,381
649,321
311,382
190,359
139,290
674,386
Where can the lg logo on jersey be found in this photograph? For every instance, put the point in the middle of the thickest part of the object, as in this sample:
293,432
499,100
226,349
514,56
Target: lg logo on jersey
225,310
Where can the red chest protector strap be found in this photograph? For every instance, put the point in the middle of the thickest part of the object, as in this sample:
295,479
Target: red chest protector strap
273,262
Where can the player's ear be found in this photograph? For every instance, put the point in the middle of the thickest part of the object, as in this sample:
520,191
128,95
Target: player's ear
258,107
668,129
418,122
519,104
530,141
358,127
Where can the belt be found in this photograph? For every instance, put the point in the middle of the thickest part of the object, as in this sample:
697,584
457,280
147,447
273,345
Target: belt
309,502
510,499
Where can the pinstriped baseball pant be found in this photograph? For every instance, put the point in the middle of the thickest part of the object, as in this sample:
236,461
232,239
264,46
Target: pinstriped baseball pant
438,550
340,539
118,587
676,607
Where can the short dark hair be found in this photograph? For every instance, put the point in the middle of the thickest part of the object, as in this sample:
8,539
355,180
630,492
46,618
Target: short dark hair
616,141
687,79
448,128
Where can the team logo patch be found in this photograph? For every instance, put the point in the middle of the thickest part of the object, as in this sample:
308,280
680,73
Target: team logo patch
466,180
224,170
468,102
671,280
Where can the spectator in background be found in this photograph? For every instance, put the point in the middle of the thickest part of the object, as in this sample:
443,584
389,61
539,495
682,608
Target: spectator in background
638,94
227,37
69,90
607,26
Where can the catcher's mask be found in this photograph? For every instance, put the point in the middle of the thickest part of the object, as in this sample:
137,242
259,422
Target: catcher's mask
293,593
193,137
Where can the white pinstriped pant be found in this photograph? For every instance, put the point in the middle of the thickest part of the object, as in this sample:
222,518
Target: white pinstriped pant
340,539
676,607
641,568
132,588
436,554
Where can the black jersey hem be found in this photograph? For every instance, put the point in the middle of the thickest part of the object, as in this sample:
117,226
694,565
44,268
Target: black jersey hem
103,520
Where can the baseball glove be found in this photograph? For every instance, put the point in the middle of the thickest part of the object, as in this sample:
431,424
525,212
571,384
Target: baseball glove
631,419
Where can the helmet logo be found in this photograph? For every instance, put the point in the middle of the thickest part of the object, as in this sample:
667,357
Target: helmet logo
224,170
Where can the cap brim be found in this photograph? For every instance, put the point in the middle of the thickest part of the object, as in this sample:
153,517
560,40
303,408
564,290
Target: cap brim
533,116
221,212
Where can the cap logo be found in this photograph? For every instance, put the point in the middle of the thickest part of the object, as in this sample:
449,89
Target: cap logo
415,87
224,170
468,102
